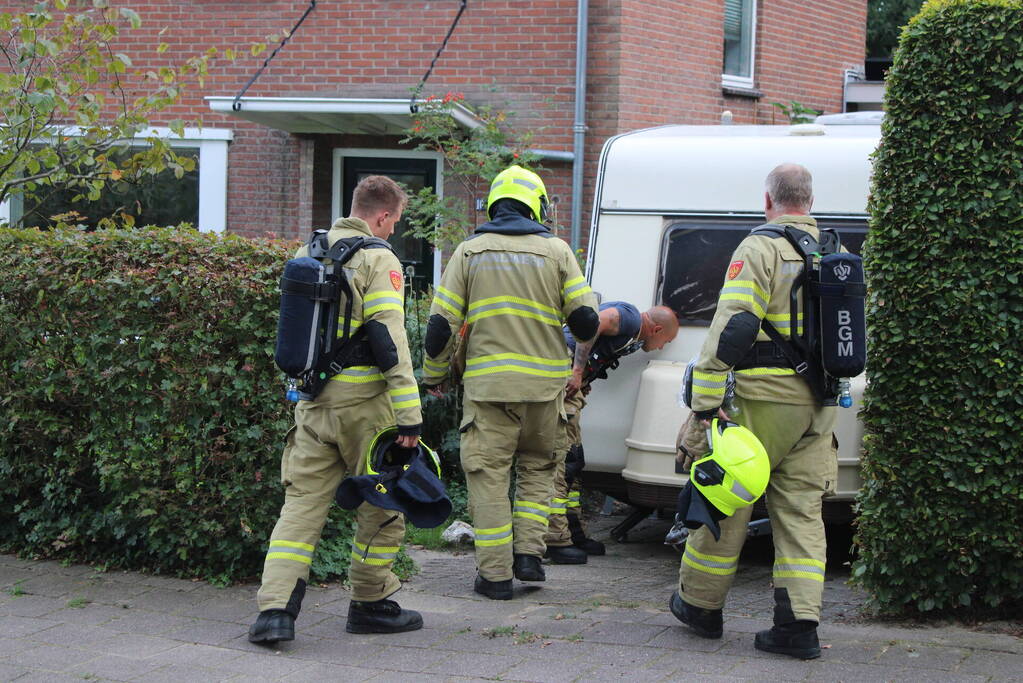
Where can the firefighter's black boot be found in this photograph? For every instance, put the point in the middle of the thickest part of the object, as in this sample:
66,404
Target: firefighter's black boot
567,554
495,590
382,616
796,639
706,623
579,539
528,568
272,626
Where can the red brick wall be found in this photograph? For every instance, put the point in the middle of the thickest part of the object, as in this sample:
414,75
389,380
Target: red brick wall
650,62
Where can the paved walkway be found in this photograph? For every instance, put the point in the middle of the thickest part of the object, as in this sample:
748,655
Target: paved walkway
606,620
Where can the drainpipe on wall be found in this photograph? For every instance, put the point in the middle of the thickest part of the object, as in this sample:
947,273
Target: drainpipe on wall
579,127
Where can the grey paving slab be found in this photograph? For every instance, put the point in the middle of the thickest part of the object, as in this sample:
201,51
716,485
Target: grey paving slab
471,664
917,656
268,664
148,623
332,673
996,664
613,625
20,627
9,672
207,632
186,673
50,658
206,656
115,668
75,634
618,633
551,670
49,677
32,606
134,645
396,677
89,614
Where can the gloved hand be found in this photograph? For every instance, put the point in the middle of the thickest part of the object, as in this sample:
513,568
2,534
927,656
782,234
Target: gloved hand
691,444
575,461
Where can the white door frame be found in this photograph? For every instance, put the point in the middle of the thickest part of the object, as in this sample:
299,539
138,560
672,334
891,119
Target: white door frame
339,155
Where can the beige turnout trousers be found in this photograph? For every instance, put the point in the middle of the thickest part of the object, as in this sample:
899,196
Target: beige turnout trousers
566,497
495,437
328,443
804,464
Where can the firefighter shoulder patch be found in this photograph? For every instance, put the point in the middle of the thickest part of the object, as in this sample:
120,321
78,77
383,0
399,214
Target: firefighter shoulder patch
396,280
734,269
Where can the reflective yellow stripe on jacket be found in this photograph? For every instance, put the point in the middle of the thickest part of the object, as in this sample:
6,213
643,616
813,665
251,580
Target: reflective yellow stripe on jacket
360,374
710,383
449,301
386,300
404,398
747,291
575,287
513,305
517,362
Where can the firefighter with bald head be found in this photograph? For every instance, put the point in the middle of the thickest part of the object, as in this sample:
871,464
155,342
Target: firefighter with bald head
505,294
781,407
622,330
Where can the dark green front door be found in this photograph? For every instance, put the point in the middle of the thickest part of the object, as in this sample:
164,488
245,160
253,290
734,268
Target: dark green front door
414,174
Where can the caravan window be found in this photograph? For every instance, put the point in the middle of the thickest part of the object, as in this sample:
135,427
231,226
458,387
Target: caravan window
696,253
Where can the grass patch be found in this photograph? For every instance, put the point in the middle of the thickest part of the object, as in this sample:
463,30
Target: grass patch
15,590
427,538
77,603
498,631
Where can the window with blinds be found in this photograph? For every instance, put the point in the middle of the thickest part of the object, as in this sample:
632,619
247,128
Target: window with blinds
740,20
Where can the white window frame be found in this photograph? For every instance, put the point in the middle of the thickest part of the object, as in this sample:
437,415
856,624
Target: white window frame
212,144
339,155
732,81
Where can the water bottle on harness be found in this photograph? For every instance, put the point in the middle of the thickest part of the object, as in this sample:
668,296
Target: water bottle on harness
310,348
830,290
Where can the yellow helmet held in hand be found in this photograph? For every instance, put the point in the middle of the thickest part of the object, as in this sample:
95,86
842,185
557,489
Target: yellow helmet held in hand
735,472
523,185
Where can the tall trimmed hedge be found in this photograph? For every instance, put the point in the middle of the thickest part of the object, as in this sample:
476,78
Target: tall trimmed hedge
142,418
941,509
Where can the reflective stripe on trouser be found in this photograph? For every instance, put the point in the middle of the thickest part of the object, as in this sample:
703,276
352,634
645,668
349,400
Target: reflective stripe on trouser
322,448
494,437
558,533
798,439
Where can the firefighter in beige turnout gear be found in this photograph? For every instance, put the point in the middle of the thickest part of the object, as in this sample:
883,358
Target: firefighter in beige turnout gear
333,431
513,284
777,405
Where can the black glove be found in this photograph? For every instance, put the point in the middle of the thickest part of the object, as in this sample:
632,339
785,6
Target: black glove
575,462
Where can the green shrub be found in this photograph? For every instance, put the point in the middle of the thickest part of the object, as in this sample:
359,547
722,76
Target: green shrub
142,419
941,509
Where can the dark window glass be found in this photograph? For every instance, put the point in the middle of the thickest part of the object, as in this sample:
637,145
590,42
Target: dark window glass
160,199
697,253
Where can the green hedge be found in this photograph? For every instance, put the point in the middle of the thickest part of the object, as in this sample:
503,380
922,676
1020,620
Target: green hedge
941,509
142,417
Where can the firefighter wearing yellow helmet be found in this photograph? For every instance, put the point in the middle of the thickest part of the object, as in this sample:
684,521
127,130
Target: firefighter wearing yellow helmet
504,296
780,408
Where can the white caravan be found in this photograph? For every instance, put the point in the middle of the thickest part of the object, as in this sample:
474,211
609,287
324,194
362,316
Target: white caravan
671,205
